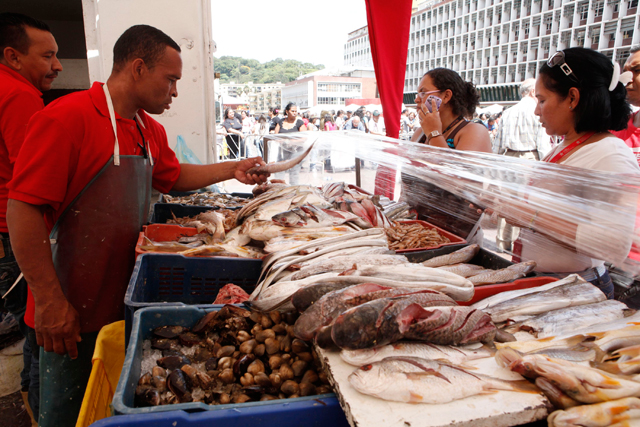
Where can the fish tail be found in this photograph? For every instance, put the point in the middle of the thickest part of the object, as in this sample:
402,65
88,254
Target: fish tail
522,386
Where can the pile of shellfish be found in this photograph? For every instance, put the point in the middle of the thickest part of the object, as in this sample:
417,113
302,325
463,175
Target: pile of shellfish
231,356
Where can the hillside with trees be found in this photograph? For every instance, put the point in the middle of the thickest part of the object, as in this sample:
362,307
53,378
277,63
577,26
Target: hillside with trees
241,70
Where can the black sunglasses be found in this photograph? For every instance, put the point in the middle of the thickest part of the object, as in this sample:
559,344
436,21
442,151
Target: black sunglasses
558,60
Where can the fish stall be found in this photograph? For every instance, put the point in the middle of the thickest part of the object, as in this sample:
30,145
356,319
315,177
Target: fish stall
323,302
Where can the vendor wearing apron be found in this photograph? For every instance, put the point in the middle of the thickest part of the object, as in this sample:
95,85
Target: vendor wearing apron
83,182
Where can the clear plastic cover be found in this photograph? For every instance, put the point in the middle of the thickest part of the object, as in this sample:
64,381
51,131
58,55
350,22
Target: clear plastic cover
571,219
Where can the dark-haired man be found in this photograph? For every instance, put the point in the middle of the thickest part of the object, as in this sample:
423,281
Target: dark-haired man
28,66
631,135
87,190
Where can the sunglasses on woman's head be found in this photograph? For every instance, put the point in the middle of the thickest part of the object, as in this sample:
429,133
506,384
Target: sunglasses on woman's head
558,60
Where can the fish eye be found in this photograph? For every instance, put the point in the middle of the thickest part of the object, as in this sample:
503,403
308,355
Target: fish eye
367,367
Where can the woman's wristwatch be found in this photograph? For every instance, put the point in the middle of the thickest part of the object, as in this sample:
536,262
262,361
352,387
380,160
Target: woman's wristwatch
434,134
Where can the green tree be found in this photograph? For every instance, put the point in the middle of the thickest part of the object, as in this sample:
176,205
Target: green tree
243,70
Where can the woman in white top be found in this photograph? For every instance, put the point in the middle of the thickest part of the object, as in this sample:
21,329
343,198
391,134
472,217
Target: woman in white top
581,98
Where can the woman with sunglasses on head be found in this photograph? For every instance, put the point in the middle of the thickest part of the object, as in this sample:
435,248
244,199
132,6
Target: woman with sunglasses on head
445,103
581,96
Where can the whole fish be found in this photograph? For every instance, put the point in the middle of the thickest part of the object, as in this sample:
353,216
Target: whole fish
413,379
583,384
267,210
388,320
569,295
343,263
280,166
566,320
508,274
328,307
465,270
597,415
311,216
460,256
575,354
307,296
509,295
425,350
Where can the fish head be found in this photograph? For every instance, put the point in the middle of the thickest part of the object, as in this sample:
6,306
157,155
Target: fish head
289,219
359,357
370,377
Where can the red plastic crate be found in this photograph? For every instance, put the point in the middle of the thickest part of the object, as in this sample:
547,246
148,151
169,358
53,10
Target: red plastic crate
162,233
486,291
453,239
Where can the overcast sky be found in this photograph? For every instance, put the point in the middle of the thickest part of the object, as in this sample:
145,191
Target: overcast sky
309,31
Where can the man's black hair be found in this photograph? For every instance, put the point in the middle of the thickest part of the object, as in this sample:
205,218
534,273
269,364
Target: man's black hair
141,41
598,109
13,31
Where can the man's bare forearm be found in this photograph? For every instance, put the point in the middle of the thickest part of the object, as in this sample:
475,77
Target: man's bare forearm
193,177
30,244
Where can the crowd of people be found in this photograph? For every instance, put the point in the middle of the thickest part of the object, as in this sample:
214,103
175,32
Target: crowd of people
244,132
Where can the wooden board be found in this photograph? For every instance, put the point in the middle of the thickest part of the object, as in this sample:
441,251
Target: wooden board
500,409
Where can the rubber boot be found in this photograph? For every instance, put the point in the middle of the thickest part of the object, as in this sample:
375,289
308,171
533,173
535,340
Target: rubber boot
25,399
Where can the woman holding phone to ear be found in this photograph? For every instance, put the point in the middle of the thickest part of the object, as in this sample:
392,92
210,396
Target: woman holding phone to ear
445,101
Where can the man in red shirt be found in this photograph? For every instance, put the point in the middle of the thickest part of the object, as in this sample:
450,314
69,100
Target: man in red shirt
631,135
28,66
79,196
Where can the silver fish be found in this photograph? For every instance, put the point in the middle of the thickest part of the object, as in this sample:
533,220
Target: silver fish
463,255
340,264
568,295
417,380
576,354
617,339
504,275
566,320
465,270
280,166
455,355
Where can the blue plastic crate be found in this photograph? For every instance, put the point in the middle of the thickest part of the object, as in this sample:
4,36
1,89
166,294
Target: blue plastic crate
308,411
160,280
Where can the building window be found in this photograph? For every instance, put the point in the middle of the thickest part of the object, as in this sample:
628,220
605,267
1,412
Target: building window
326,100
583,10
340,87
525,26
632,4
598,8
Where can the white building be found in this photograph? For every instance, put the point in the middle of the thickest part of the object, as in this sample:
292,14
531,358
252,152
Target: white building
499,43
357,51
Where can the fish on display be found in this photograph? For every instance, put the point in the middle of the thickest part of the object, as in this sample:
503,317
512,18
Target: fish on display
508,274
388,320
565,320
280,166
425,350
581,383
328,307
577,292
345,263
557,397
460,256
417,380
628,362
597,415
465,270
618,338
311,216
576,354
543,344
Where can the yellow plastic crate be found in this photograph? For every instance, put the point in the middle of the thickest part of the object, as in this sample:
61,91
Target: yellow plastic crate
108,359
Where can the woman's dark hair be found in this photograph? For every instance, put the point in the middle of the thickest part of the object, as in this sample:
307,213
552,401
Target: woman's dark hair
262,119
226,113
289,105
465,97
328,118
598,110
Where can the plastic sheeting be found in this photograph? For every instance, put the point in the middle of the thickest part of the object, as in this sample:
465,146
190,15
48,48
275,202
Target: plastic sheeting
583,217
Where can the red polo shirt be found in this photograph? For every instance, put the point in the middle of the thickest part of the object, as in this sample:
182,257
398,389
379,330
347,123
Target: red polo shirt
69,142
631,136
19,101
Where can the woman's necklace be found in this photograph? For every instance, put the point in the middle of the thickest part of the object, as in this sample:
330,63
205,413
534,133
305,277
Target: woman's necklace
453,123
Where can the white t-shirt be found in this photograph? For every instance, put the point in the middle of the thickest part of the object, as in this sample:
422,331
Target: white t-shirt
610,154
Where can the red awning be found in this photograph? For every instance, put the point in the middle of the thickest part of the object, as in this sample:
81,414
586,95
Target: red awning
389,26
